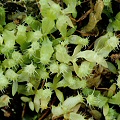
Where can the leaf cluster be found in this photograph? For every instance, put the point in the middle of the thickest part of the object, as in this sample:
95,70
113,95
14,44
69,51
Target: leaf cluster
38,65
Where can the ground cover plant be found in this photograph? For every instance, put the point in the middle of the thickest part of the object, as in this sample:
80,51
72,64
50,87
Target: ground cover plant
59,60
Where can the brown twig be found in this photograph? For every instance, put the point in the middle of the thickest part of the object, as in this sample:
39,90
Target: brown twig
23,112
82,17
102,88
45,114
89,48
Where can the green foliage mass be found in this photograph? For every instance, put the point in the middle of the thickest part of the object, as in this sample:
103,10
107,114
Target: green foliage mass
38,64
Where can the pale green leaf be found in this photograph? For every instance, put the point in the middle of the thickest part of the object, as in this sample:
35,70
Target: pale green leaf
69,22
75,116
57,111
98,101
118,81
46,51
105,109
115,99
21,34
31,105
71,102
78,84
4,100
10,26
92,56
71,7
47,25
75,39
9,36
36,104
62,23
62,26
59,95
25,99
61,54
14,87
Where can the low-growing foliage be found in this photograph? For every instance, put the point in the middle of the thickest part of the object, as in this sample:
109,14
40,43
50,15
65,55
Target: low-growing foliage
63,73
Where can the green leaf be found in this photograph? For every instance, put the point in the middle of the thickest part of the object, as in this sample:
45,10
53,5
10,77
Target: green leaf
71,7
100,42
112,114
98,101
44,97
105,109
4,100
118,63
75,116
118,118
115,99
25,99
68,2
10,26
62,26
57,111
71,102
84,69
1,40
46,51
116,22
116,25
111,90
71,31
47,25
118,16
105,44
88,91
21,35
75,39
42,73
78,84
107,3
61,54
36,104
62,23
22,90
9,36
31,105
2,16
1,29
69,22
112,68
33,36
59,95
14,87
92,56
118,81
50,9
35,25
29,19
